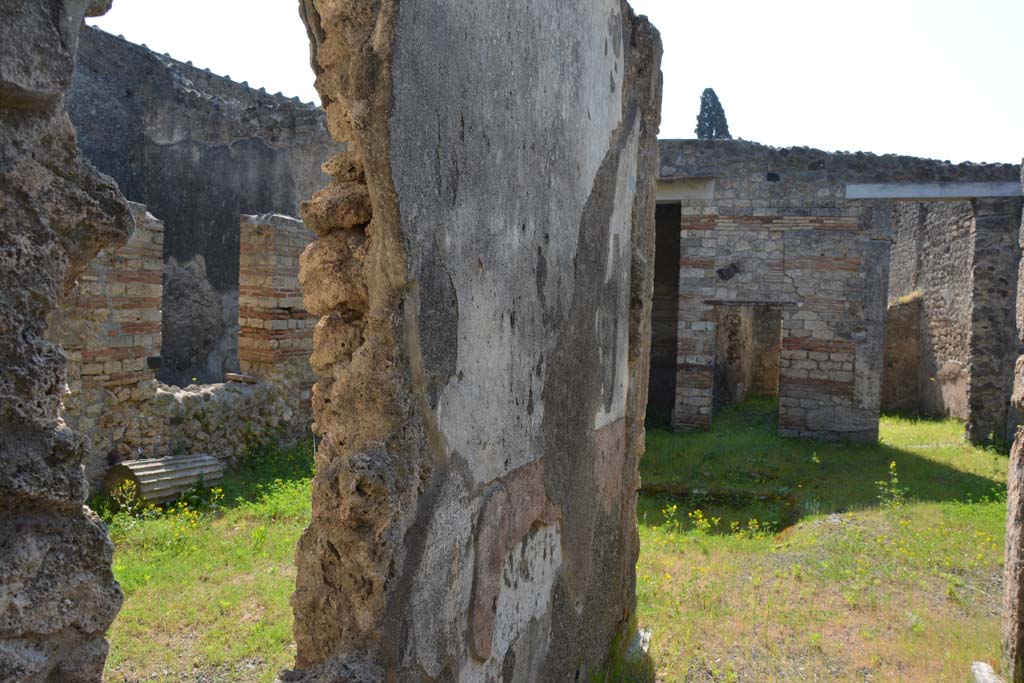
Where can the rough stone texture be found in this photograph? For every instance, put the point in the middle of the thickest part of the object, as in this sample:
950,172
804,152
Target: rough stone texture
164,130
773,225
110,325
59,595
1013,566
483,347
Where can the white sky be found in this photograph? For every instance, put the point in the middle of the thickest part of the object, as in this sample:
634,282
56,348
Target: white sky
932,78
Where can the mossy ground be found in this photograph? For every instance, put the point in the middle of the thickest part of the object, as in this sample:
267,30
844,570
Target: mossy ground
762,559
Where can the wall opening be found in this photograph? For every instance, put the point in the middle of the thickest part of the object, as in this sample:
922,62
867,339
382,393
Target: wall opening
748,343
661,392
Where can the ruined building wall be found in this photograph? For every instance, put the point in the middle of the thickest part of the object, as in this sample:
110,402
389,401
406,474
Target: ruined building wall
167,131
59,594
774,225
110,326
483,341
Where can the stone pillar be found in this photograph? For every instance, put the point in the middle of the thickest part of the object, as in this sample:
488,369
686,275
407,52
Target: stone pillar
483,274
994,344
1013,567
59,593
110,329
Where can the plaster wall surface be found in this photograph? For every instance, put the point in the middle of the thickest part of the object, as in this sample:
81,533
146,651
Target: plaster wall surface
198,150
484,275
58,593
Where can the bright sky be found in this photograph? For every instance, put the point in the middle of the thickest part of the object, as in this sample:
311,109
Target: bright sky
932,78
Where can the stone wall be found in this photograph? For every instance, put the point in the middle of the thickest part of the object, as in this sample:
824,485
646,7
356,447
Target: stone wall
166,130
761,224
59,595
994,342
110,326
484,291
959,258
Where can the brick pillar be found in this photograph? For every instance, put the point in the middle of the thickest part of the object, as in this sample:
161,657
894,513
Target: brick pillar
696,323
275,333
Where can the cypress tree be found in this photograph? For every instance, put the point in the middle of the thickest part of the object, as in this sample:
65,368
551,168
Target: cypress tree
711,123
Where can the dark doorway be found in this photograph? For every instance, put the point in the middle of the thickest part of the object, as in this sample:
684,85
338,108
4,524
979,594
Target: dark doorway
661,392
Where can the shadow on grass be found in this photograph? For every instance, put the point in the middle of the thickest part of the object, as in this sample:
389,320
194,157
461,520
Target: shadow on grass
742,469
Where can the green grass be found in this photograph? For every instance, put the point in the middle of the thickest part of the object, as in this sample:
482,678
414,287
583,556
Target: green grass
817,580
207,581
851,583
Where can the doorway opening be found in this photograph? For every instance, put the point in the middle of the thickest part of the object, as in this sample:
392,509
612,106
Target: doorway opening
661,391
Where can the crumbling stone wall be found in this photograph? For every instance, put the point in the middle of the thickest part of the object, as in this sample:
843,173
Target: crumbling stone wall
59,594
166,130
774,225
483,277
110,325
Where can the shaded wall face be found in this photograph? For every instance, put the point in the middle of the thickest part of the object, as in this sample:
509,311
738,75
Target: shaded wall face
482,412
199,151
664,315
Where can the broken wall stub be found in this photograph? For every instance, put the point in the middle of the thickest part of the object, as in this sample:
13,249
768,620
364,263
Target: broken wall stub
767,224
59,593
901,373
483,275
165,130
110,325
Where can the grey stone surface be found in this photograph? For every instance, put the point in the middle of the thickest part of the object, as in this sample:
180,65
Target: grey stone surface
474,507
198,150
58,594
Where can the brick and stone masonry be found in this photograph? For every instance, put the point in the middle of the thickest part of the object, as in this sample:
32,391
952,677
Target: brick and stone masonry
110,326
767,227
275,332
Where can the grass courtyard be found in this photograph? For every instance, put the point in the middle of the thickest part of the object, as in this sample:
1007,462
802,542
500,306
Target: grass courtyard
762,559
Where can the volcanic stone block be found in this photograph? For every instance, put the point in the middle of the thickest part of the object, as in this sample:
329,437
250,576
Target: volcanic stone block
59,595
484,341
